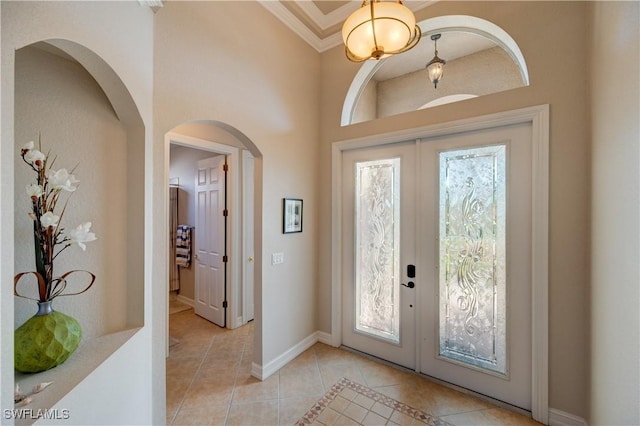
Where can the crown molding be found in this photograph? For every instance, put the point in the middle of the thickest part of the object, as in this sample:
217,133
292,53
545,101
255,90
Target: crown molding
323,21
335,17
291,21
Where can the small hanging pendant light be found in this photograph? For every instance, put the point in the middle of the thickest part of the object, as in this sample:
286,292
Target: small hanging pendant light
379,29
435,67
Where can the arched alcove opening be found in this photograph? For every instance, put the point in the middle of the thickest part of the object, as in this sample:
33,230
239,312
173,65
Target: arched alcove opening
87,120
481,59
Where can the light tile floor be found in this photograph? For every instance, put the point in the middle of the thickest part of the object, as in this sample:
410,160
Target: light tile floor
209,382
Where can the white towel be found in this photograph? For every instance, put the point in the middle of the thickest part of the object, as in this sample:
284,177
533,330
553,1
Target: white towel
183,246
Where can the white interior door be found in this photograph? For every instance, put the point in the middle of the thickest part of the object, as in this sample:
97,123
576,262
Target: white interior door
471,305
378,245
210,240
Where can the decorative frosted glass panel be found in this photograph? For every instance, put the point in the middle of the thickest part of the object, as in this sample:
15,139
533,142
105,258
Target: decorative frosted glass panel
472,257
377,227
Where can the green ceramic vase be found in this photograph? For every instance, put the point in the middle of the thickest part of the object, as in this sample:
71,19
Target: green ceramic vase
46,340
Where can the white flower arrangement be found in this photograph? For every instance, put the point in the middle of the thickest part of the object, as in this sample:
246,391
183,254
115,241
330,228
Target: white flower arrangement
50,237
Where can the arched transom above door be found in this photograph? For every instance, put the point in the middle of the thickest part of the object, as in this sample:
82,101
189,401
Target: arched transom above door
481,59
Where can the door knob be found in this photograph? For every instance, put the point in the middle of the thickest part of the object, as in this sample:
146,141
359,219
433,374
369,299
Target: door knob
250,258
410,284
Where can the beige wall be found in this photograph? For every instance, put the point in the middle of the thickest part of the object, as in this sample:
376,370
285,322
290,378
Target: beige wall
261,80
482,73
615,246
367,106
536,27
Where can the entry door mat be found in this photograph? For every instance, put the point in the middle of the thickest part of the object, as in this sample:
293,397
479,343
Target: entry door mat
348,402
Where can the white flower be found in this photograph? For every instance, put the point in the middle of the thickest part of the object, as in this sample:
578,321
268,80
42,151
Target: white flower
81,235
27,147
34,190
49,220
61,179
34,157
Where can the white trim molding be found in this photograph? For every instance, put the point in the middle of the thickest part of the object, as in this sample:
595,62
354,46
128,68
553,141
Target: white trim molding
323,21
538,116
560,418
325,338
262,372
185,300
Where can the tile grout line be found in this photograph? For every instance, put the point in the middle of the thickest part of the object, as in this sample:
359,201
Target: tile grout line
279,380
235,380
195,374
315,356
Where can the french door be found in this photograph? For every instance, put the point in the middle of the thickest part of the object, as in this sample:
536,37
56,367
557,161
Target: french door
379,240
436,250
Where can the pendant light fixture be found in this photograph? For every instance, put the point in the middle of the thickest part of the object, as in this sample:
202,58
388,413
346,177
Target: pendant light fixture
379,29
435,67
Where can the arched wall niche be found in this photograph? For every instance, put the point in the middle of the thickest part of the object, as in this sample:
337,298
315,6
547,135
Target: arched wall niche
77,98
86,118
360,88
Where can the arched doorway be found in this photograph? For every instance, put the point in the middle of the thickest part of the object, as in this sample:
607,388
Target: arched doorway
209,138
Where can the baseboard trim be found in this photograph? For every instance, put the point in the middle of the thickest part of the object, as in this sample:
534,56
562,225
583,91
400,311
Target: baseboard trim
185,300
561,418
325,338
256,371
262,372
237,322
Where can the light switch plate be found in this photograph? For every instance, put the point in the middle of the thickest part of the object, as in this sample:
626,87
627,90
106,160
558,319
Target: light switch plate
277,258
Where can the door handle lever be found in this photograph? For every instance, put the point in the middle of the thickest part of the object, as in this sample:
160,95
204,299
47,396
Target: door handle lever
410,284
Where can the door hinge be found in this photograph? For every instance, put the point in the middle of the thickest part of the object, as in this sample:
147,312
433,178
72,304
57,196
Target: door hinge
225,167
225,212
225,259
224,304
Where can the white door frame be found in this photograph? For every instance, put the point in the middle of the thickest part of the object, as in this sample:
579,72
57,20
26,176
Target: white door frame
234,308
538,116
248,244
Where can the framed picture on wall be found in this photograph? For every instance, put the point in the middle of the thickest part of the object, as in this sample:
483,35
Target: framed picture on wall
291,215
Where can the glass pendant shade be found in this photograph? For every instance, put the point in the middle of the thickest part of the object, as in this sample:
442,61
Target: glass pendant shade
435,69
379,29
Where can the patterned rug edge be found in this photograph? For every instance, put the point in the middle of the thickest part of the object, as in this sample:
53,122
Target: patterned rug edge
315,411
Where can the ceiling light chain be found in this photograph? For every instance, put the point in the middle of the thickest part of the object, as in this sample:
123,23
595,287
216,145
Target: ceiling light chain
377,53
